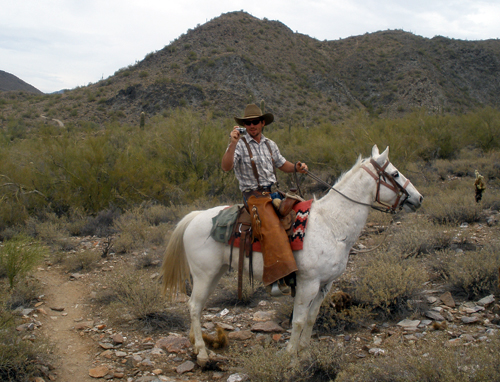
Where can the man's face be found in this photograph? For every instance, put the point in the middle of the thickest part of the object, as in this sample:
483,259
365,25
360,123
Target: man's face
254,127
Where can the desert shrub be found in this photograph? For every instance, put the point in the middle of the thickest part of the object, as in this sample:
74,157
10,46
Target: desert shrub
387,281
100,225
137,297
18,256
331,320
429,361
321,362
81,261
147,260
419,236
132,228
24,293
452,202
20,360
472,272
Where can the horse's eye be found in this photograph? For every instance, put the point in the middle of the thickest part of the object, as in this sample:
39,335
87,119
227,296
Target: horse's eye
395,175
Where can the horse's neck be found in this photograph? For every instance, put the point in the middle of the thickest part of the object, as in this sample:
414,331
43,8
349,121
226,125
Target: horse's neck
344,217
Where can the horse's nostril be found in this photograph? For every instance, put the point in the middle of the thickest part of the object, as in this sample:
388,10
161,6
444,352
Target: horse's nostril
421,199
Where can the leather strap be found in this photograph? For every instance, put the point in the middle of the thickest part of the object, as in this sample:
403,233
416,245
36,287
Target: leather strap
252,160
254,167
241,261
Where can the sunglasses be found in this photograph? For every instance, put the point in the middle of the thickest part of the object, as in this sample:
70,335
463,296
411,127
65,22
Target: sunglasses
252,122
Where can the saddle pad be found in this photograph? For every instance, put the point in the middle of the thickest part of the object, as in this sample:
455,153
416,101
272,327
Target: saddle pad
299,228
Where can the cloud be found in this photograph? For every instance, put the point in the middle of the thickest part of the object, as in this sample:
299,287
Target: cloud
54,44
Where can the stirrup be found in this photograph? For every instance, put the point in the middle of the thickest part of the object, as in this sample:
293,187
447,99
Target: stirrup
278,290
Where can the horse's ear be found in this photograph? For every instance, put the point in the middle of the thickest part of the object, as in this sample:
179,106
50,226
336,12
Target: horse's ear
384,157
375,152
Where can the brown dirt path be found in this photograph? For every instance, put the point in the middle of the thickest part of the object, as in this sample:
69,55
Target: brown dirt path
73,351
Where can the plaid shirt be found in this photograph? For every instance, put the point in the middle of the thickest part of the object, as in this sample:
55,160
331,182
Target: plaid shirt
262,157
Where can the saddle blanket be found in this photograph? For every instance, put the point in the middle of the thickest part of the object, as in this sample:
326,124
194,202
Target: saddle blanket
299,228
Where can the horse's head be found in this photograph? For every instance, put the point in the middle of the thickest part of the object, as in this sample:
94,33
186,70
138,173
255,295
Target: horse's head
393,189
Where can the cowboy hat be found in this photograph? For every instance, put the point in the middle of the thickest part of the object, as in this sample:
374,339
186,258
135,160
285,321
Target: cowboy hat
252,111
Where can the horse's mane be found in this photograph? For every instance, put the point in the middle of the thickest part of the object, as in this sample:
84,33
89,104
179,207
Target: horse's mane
346,174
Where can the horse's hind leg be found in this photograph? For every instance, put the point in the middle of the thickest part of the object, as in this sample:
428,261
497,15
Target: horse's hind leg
203,286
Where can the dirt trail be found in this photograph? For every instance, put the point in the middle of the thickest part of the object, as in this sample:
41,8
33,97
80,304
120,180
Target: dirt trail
73,351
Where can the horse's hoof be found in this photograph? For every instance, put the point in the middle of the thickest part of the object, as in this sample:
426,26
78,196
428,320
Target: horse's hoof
202,361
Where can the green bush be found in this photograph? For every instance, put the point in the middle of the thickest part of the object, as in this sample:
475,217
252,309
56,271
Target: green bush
18,256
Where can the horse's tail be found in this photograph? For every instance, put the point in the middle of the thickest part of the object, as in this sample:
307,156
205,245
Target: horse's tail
175,268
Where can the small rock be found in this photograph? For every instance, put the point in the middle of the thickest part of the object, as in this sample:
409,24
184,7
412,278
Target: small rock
120,354
424,323
84,325
224,326
264,316
447,299
241,335
470,320
117,338
431,299
237,378
409,323
107,354
106,345
57,308
487,300
376,351
434,315
185,367
267,327
173,344
98,372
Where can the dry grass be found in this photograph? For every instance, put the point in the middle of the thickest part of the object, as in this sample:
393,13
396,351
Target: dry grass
474,273
429,361
321,362
388,281
135,297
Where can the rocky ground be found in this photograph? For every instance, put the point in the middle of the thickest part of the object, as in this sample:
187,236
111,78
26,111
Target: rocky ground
88,347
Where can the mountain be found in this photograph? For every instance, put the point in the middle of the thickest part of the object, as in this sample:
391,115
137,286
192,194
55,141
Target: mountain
236,59
10,82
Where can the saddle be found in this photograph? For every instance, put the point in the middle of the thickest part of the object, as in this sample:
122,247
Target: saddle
242,229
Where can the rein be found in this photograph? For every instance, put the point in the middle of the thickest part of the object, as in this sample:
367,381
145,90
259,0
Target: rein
381,179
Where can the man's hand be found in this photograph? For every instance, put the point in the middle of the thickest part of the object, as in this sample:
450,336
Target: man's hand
235,135
301,167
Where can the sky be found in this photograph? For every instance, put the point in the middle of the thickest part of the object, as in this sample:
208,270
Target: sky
63,44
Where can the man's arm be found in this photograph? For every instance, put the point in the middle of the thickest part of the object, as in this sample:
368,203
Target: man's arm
290,167
228,157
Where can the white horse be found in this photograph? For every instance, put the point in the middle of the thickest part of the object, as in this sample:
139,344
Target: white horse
335,223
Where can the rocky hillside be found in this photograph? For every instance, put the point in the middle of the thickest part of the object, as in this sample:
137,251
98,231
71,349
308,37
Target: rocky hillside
9,82
236,59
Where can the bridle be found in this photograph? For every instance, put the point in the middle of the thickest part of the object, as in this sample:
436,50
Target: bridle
385,179
382,178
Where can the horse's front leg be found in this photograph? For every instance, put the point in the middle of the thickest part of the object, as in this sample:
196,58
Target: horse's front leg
312,315
304,299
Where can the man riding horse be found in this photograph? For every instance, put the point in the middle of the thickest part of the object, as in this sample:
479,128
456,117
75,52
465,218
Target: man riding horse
254,159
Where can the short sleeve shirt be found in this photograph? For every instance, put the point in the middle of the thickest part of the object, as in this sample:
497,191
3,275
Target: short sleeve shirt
263,161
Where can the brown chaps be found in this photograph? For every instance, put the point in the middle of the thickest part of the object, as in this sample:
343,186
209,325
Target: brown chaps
266,227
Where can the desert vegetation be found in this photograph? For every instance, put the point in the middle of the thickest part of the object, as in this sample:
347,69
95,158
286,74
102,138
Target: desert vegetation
128,185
